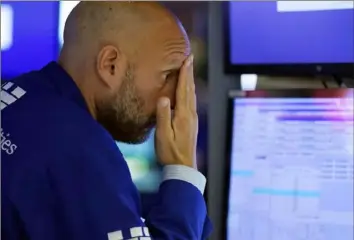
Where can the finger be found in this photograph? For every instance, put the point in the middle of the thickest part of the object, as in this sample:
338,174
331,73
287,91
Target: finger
183,86
193,102
192,94
163,117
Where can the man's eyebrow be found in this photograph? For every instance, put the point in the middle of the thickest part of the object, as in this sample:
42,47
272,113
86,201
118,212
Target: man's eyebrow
175,62
172,64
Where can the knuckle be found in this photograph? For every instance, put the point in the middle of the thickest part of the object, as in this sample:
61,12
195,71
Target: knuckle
182,119
186,118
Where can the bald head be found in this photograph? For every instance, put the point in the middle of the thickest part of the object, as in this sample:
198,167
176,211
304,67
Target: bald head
124,24
124,56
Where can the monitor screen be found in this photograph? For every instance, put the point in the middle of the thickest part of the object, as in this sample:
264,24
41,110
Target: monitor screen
28,36
291,32
291,166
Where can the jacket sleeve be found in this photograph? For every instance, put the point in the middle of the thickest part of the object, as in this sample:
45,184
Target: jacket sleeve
181,211
98,200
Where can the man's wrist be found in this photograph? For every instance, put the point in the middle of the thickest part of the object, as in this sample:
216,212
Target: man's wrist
185,173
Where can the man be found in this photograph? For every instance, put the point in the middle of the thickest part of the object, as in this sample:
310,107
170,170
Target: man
123,67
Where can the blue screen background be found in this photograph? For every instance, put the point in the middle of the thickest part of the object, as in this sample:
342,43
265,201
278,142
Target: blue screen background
259,34
35,37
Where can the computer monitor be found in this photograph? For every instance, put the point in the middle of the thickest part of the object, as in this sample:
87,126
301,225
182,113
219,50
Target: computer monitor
290,165
28,36
289,37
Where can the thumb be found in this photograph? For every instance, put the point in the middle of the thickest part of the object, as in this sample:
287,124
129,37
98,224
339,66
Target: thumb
163,116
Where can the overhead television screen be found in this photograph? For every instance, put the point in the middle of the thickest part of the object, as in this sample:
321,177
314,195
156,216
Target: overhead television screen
291,166
289,33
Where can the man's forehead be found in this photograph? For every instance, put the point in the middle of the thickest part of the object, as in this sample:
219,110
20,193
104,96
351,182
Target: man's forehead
175,51
176,44
169,43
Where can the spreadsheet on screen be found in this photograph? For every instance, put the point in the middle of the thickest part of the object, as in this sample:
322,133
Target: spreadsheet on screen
291,169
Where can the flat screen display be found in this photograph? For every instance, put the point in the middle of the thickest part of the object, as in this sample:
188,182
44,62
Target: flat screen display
291,32
288,38
291,166
30,40
28,36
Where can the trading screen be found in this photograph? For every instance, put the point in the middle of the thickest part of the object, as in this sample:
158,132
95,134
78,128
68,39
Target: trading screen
288,32
291,169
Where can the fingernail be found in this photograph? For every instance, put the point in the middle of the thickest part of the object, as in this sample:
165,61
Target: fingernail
163,102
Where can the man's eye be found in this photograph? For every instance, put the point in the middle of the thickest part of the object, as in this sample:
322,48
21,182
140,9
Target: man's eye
166,75
170,75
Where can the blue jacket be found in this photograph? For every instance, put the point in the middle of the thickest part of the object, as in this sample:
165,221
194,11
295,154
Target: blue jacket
64,178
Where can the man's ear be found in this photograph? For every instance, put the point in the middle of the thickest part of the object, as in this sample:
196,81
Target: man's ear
109,66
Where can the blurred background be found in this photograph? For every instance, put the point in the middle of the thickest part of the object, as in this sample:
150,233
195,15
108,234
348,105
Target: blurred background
239,47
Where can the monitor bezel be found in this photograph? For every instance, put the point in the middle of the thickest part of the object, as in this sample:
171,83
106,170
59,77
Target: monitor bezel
300,70
234,94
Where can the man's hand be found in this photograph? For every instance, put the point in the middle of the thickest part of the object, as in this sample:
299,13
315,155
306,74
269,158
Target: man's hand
175,138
